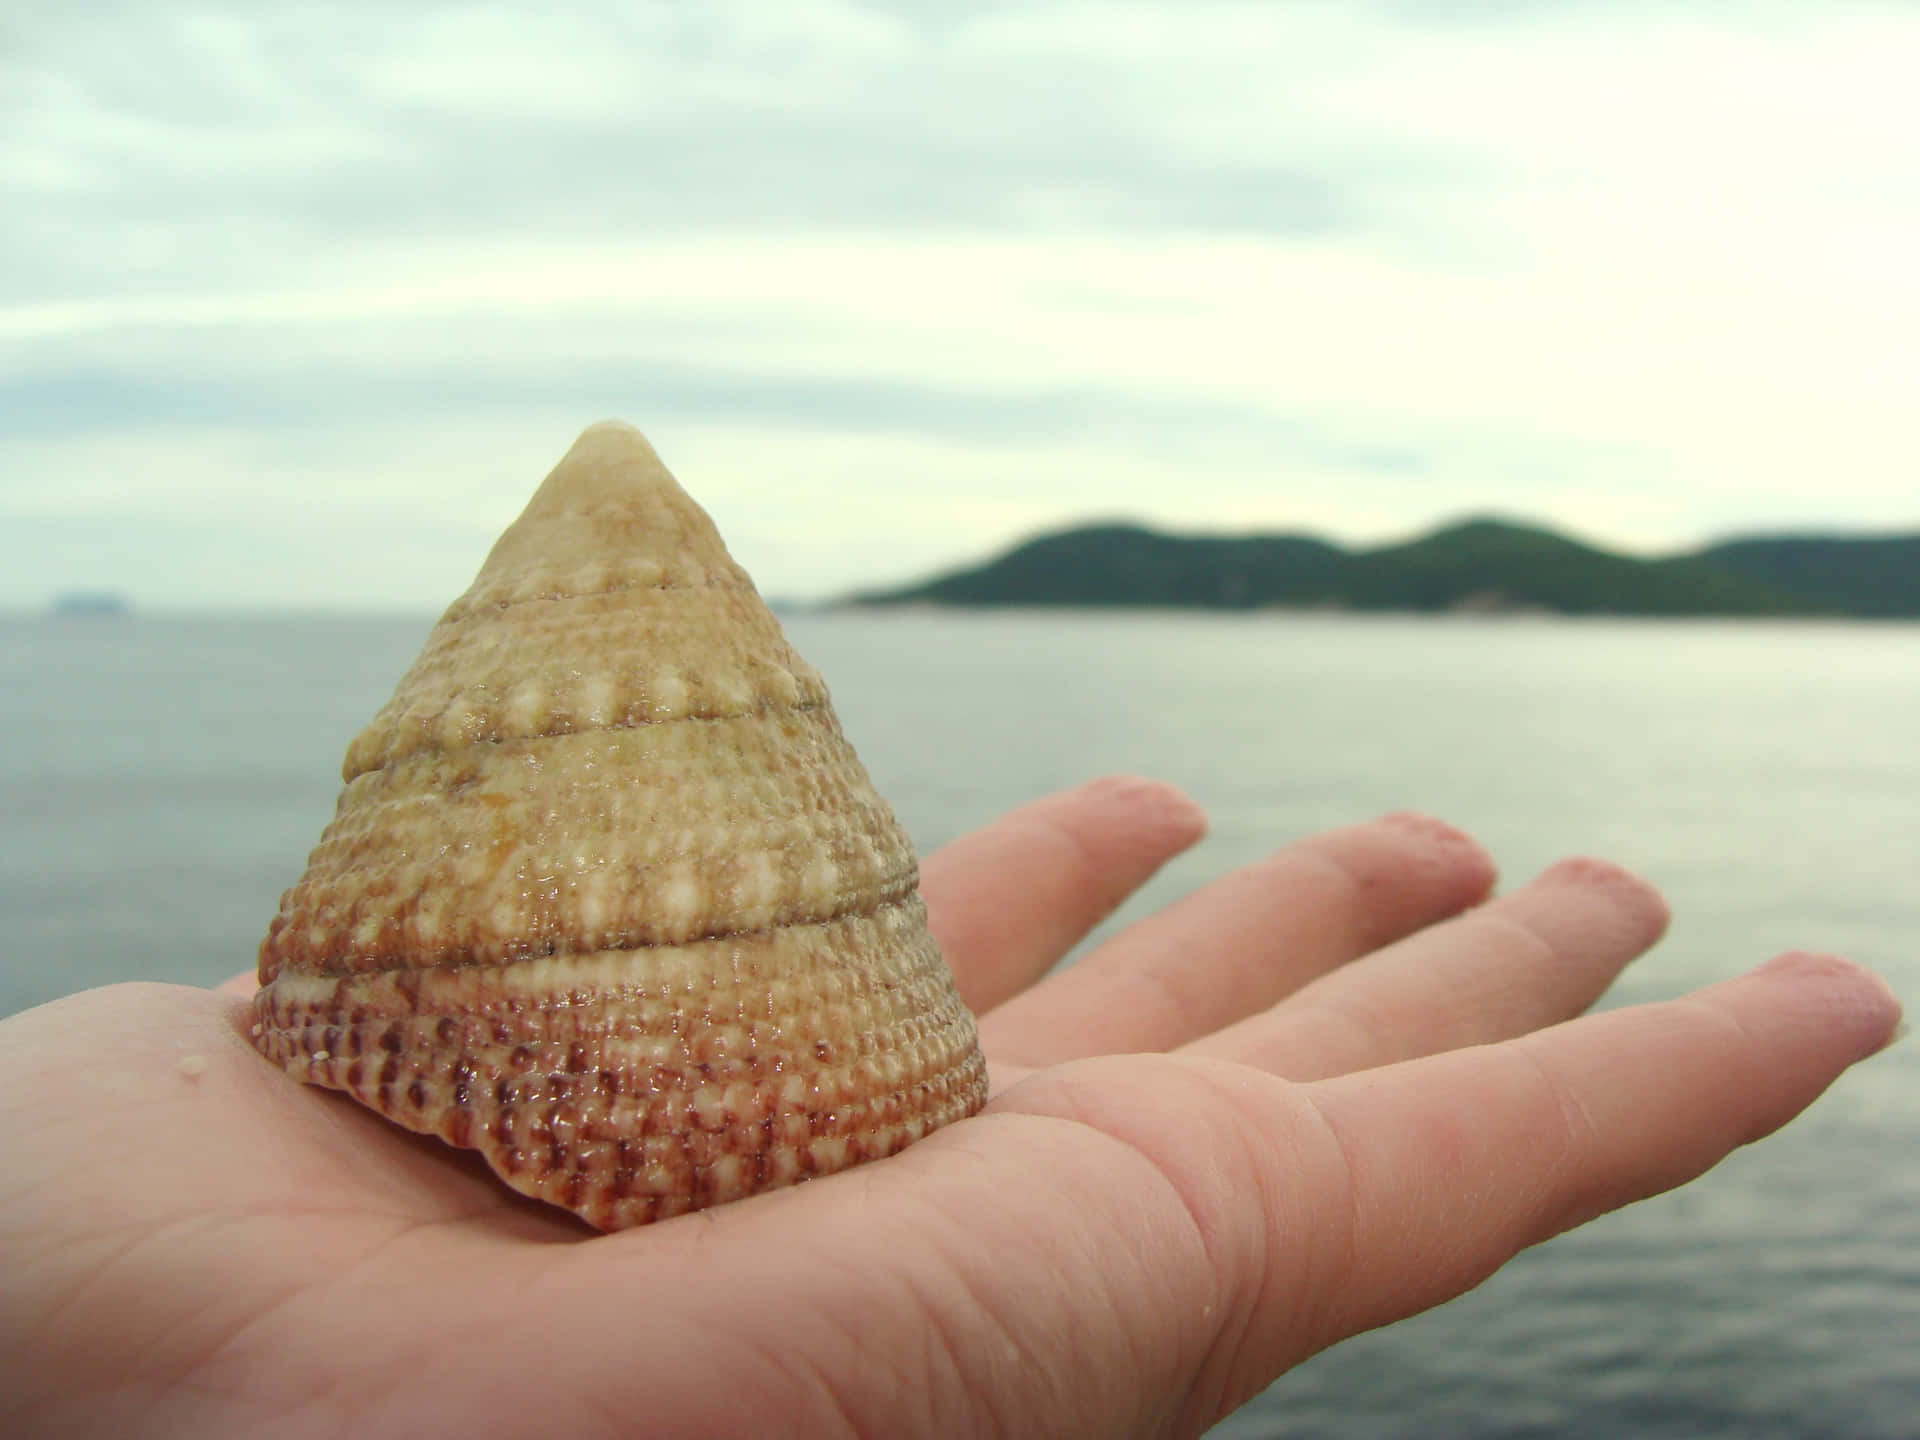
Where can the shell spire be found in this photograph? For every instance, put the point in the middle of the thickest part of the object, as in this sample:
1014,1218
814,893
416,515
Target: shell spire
609,507
607,896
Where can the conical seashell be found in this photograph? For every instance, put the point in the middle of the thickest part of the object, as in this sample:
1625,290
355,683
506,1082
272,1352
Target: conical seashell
608,897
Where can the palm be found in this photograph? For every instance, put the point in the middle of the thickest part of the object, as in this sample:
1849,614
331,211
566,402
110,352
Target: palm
1133,1243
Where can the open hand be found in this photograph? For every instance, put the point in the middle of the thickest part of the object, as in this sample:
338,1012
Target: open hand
1318,1095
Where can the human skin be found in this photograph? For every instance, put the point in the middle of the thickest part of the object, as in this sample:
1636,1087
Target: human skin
1318,1095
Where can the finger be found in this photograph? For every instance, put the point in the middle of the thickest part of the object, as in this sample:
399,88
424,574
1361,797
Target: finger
1008,901
1237,946
243,984
1538,956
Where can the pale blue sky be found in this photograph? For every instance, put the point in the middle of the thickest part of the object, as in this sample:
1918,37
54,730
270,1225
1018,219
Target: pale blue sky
298,305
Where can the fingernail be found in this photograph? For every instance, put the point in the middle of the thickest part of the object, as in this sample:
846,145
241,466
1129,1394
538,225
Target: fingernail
1447,841
1643,908
1846,991
1175,807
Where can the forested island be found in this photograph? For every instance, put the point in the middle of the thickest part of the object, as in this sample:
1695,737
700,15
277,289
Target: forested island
1477,565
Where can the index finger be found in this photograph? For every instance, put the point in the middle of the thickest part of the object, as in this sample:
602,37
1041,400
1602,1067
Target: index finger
1008,901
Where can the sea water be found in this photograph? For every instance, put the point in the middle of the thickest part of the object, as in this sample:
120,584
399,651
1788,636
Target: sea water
161,781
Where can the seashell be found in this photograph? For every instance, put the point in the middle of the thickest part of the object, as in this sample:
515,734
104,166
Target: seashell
608,897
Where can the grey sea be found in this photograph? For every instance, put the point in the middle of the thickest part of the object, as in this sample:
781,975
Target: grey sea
162,779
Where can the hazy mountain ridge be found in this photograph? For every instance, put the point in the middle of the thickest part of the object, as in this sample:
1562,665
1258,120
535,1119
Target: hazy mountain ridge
1479,564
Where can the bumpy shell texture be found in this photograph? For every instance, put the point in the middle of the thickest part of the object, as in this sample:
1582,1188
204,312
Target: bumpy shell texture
608,896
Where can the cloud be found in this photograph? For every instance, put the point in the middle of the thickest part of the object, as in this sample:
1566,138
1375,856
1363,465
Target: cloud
46,404
228,136
1642,269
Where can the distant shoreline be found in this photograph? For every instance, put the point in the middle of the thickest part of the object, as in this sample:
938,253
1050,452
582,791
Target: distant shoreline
1490,568
1484,569
90,605
910,610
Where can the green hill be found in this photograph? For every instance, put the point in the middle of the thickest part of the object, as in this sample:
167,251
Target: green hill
1130,565
1858,576
1489,564
1480,564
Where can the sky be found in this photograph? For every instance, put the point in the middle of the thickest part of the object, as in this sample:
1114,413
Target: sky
299,303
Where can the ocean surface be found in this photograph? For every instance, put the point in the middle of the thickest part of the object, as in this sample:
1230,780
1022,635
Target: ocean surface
161,781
